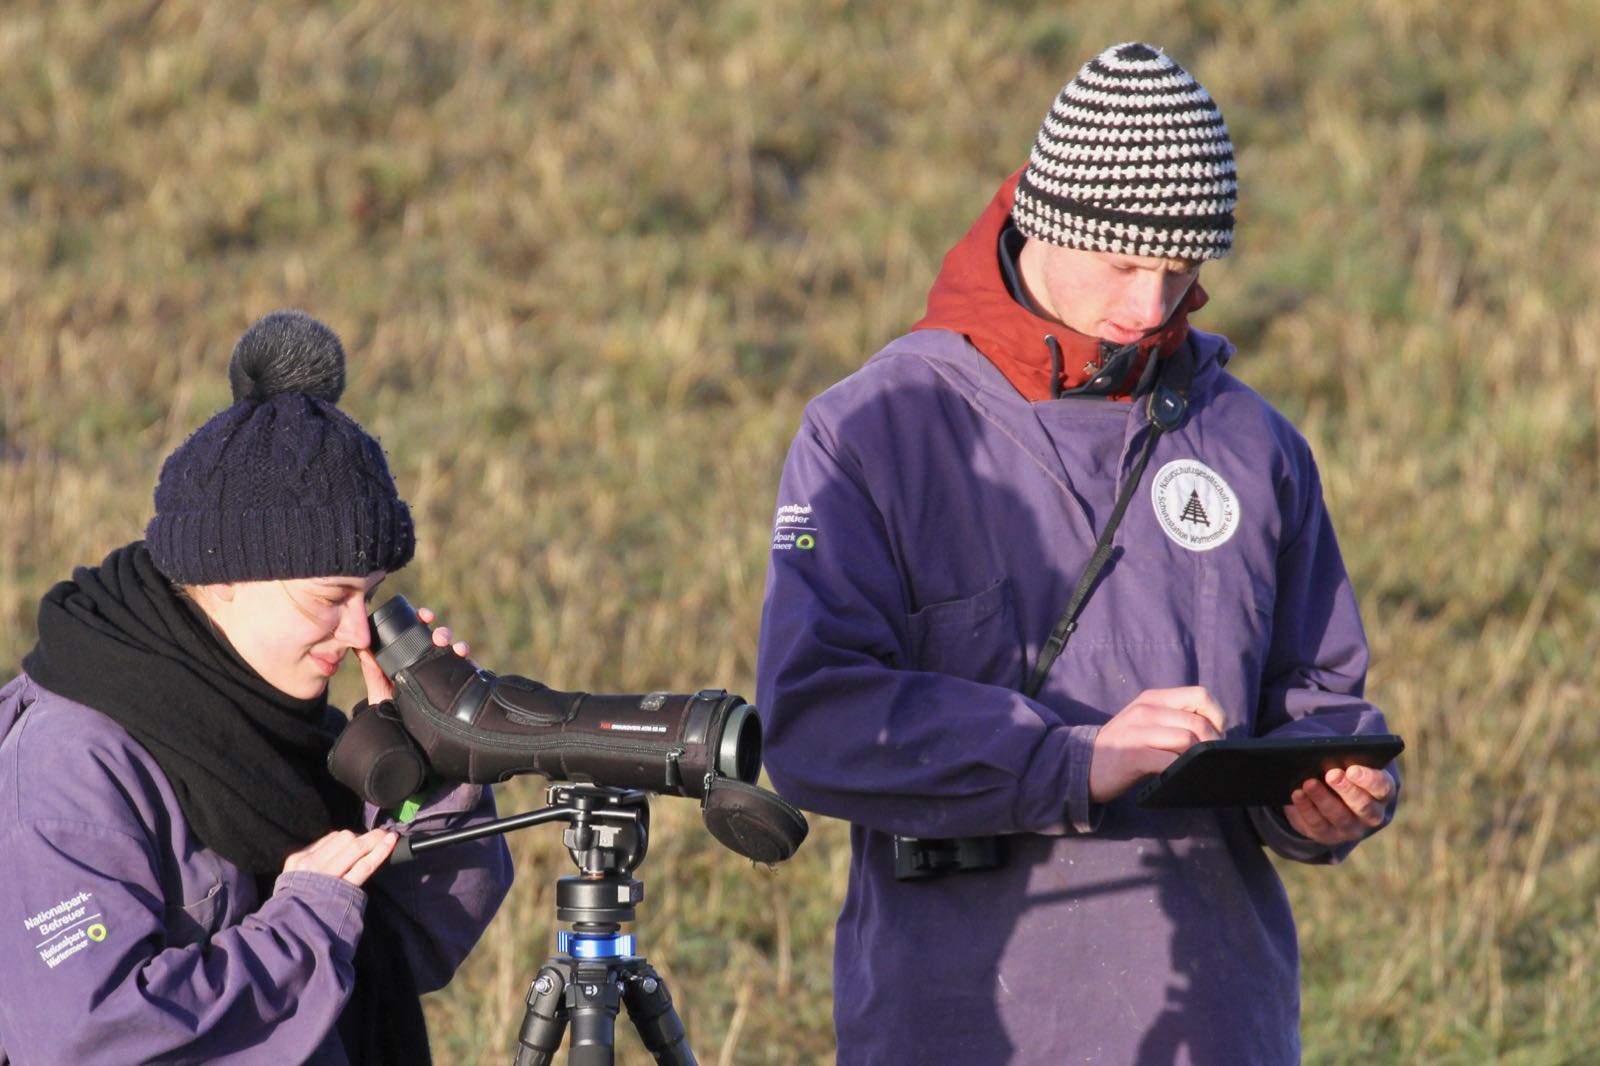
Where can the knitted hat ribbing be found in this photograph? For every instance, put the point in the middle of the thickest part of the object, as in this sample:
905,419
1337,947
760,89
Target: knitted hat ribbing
282,484
1133,158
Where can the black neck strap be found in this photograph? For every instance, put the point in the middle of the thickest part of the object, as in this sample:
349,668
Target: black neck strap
1164,408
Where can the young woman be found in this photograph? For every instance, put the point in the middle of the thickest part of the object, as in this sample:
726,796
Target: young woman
181,880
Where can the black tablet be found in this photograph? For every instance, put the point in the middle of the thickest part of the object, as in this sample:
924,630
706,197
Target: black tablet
1260,771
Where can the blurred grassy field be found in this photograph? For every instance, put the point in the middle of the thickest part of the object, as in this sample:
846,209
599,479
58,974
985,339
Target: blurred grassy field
591,260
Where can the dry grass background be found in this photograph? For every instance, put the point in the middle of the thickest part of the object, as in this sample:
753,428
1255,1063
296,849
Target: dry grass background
591,260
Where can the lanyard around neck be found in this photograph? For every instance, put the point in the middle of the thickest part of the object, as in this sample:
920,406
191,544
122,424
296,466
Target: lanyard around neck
1164,408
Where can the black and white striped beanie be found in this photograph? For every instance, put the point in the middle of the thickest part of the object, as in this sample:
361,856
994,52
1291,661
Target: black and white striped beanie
1133,158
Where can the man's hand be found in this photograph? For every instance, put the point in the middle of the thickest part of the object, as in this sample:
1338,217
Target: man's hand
344,854
1147,735
1345,805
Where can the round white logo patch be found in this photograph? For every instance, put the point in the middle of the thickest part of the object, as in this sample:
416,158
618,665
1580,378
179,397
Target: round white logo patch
1194,505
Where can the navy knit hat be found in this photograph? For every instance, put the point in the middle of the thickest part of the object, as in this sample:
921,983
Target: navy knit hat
1133,158
282,484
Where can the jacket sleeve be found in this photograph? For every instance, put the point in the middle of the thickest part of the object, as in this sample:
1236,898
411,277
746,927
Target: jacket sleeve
87,975
1315,674
441,901
852,729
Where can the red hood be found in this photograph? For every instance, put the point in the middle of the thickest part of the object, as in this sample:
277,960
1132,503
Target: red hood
970,297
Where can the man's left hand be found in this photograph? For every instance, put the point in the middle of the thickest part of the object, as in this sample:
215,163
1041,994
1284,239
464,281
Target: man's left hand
1344,805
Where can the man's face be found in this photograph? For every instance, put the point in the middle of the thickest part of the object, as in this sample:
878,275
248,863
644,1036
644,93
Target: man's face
1115,297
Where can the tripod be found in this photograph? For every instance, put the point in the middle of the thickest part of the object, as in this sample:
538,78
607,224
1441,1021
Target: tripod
594,971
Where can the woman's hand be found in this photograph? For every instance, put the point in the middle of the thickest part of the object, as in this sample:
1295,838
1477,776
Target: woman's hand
345,855
379,687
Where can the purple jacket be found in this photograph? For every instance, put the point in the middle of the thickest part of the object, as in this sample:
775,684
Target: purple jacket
123,939
931,525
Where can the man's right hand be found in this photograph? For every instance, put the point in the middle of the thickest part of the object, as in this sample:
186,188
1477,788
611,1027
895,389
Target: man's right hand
1147,735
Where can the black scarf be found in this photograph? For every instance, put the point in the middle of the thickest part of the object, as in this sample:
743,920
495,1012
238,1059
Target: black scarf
248,763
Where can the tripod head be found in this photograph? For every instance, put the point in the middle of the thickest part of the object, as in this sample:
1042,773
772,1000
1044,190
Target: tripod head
608,828
607,836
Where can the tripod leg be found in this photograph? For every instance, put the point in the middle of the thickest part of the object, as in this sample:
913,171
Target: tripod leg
650,1009
546,1018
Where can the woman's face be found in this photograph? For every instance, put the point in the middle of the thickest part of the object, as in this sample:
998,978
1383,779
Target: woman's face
294,633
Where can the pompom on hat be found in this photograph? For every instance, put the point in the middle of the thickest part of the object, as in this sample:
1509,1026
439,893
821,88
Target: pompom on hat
1133,158
282,484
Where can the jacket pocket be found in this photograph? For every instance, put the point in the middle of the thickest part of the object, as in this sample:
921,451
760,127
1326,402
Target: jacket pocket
193,923
973,637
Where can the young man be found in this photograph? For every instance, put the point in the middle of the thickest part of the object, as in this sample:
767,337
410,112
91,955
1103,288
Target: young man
938,512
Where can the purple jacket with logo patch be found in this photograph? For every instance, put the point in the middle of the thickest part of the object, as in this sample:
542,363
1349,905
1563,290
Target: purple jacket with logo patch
123,939
931,527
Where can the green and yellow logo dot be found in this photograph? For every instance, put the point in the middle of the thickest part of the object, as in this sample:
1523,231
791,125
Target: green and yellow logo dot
805,542
97,932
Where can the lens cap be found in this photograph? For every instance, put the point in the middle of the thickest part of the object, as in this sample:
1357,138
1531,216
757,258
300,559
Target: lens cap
750,821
